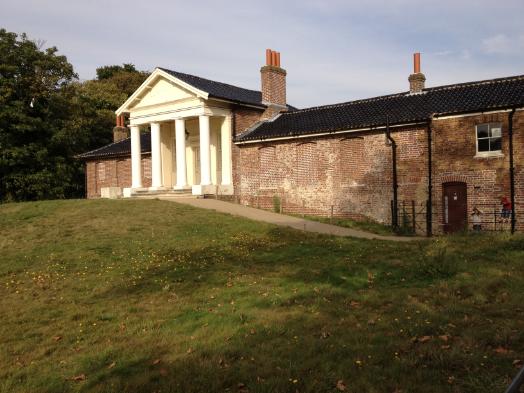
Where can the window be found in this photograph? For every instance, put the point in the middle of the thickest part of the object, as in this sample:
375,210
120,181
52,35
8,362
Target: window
489,138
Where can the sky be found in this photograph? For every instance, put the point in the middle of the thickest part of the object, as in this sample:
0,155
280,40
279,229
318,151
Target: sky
333,50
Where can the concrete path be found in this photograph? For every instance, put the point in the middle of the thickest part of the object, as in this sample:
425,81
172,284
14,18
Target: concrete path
283,220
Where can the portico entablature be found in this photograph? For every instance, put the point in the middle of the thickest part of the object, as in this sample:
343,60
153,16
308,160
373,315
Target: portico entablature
185,110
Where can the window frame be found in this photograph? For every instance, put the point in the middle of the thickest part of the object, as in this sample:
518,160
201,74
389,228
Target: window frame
488,153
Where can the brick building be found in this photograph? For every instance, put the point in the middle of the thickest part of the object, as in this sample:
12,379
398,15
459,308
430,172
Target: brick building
441,150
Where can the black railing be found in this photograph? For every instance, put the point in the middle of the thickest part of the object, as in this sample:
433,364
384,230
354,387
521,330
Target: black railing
411,217
491,217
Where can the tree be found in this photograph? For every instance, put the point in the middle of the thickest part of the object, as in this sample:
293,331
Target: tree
33,110
47,117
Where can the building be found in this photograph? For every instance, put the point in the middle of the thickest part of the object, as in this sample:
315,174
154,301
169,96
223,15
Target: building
451,148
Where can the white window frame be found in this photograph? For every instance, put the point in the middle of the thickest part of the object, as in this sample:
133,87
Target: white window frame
490,153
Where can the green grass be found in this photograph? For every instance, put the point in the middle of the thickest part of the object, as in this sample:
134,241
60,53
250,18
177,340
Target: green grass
153,296
368,226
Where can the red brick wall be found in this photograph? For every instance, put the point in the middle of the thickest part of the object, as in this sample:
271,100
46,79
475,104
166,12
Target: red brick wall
115,172
487,179
354,173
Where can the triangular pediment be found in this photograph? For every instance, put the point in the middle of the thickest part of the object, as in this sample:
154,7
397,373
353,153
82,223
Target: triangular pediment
160,92
160,88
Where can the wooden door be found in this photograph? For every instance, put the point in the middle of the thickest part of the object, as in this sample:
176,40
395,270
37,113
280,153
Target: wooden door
454,202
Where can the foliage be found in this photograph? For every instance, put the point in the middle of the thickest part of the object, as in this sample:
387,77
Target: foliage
366,225
33,112
150,296
47,117
276,203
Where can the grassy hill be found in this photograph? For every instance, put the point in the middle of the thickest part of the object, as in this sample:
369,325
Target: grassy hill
153,296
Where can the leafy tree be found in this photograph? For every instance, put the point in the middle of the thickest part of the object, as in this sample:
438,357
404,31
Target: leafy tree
33,110
47,117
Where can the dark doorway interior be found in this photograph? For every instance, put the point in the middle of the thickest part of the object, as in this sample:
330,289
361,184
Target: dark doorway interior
455,206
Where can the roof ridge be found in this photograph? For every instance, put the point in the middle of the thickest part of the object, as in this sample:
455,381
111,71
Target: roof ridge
394,95
346,103
476,83
206,79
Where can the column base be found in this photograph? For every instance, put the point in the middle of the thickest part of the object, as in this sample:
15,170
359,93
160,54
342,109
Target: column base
204,189
159,188
182,188
129,191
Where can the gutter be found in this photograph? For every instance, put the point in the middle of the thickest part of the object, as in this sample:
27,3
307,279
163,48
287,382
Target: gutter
511,170
394,208
326,133
429,204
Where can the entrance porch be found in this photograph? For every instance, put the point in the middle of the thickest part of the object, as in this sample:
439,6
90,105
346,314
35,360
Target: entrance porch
191,153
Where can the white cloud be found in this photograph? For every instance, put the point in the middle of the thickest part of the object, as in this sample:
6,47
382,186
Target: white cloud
503,44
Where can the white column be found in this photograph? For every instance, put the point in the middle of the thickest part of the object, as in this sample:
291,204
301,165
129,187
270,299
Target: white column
180,142
156,160
205,160
136,164
225,141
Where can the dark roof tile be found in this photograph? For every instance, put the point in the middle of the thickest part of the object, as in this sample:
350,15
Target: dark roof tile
117,149
400,108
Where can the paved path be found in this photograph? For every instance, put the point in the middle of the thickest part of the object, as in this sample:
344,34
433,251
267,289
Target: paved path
283,220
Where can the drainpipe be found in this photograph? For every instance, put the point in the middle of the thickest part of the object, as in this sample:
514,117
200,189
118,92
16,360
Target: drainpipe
429,206
394,218
511,169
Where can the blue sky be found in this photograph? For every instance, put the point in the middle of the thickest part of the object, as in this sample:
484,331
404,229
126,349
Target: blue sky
334,51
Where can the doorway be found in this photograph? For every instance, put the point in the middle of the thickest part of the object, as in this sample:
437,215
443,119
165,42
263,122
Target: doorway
455,206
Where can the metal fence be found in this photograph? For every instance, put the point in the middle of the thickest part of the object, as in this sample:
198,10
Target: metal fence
491,218
412,217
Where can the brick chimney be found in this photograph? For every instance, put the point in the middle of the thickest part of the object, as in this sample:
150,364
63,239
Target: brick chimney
120,131
273,85
417,79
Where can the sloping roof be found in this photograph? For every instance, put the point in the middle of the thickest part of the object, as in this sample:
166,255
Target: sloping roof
401,108
219,89
118,149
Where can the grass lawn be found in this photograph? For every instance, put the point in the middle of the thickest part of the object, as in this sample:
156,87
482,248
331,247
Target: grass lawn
153,296
368,226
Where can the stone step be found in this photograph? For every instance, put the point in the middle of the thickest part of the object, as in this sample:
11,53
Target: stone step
147,194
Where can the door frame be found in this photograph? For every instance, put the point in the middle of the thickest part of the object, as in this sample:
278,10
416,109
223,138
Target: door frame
444,187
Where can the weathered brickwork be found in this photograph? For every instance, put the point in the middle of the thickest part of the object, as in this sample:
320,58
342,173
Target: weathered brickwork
487,178
113,172
354,173
273,84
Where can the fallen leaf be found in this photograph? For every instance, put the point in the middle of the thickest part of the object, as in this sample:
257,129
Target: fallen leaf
242,388
78,378
517,362
424,339
341,385
57,338
445,346
190,350
156,361
111,365
501,350
444,338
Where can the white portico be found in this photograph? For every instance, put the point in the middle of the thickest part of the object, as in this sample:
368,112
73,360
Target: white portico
191,137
